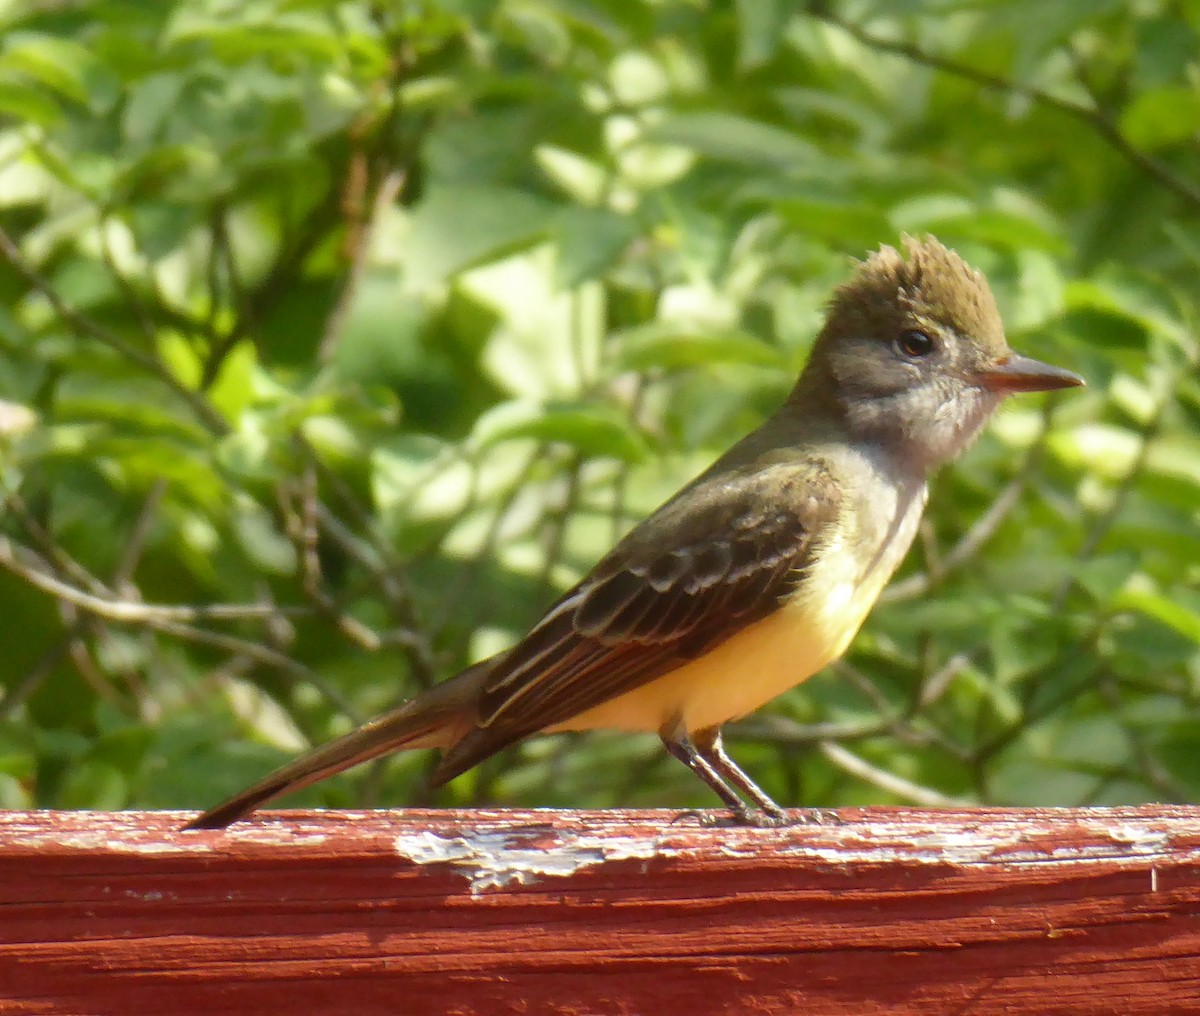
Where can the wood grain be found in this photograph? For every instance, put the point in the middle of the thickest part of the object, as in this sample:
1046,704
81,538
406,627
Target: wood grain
478,913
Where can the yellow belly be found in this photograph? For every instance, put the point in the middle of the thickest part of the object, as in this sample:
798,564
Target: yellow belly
762,661
812,627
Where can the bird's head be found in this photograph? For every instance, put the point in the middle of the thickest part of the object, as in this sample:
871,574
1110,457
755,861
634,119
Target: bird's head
913,354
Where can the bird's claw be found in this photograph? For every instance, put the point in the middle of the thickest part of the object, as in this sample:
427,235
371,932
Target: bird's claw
759,819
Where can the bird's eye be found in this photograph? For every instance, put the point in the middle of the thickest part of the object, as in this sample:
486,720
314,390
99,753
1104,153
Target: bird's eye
914,344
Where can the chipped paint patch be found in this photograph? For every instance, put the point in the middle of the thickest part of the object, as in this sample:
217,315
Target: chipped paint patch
496,857
492,860
148,895
1140,839
978,845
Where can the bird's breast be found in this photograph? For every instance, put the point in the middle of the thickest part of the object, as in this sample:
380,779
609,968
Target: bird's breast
812,627
846,577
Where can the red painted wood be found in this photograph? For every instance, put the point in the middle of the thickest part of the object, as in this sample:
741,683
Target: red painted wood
465,913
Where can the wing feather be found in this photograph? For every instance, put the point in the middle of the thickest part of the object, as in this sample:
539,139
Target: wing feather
714,560
651,605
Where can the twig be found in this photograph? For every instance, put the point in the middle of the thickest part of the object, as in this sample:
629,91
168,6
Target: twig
1104,128
51,550
260,654
138,535
771,728
375,557
360,246
559,520
408,634
25,564
86,326
51,658
850,763
935,685
220,254
141,312
302,529
81,655
868,687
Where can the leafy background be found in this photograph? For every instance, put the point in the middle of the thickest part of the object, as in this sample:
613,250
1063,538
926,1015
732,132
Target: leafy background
336,338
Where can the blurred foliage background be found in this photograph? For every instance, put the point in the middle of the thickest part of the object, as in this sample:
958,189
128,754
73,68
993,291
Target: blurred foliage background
337,338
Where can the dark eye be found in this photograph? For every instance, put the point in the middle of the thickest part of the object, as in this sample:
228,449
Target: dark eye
914,344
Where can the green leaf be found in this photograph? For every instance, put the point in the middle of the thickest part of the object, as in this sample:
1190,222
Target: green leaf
761,24
1182,614
1176,746
850,222
668,346
589,241
95,785
456,227
583,179
731,138
258,33
1177,456
62,65
1098,448
1105,327
595,430
1162,118
265,546
28,104
926,211
638,79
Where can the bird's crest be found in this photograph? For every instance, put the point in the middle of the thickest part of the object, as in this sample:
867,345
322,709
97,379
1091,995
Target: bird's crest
928,280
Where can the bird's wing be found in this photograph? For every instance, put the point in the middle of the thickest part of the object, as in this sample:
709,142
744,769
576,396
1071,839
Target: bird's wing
665,595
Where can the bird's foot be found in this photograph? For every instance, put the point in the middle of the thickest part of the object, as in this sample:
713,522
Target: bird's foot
814,816
703,818
760,819
733,819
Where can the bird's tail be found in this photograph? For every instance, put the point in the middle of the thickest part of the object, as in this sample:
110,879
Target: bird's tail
435,719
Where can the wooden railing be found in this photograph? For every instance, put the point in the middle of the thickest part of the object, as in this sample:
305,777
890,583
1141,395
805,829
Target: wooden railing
493,912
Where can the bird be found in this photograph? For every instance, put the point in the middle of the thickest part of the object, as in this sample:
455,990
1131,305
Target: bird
756,574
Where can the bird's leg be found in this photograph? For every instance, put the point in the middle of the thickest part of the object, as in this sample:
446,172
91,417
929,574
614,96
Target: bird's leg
679,744
710,748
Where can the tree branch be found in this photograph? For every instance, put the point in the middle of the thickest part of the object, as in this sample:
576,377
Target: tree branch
86,326
1101,125
23,563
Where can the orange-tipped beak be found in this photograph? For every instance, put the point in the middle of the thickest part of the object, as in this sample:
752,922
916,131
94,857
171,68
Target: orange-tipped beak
1018,373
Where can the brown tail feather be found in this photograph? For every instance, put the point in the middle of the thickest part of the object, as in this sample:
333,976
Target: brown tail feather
436,719
468,750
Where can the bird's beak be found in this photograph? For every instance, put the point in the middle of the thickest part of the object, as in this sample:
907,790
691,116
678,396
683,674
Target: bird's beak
1016,373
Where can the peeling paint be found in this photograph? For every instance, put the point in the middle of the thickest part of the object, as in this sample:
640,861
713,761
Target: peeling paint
148,895
492,860
495,858
1000,843
1142,840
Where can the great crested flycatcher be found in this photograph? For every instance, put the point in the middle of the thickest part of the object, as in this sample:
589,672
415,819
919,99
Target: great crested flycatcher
757,573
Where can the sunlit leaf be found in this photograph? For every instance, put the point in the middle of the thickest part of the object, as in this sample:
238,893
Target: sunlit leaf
1162,117
668,346
594,430
737,139
1175,613
456,227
